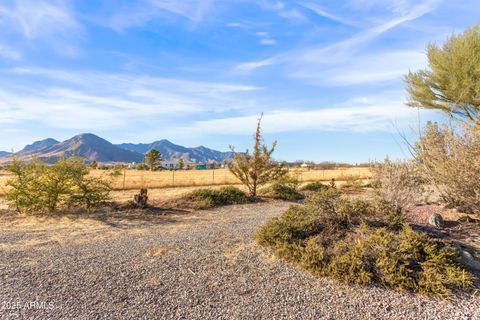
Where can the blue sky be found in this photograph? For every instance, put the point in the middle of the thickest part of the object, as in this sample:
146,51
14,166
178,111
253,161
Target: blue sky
326,74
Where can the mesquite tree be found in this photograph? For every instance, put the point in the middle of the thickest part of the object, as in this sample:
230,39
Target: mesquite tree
256,168
451,83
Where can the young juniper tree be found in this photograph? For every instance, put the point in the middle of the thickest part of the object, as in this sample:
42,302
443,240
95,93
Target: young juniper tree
452,81
180,164
257,168
153,159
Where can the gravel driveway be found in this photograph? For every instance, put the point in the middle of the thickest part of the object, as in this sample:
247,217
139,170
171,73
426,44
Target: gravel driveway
201,265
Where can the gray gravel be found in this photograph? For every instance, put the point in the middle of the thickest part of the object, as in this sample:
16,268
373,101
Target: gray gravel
197,266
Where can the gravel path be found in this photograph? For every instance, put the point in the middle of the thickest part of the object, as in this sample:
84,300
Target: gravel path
196,266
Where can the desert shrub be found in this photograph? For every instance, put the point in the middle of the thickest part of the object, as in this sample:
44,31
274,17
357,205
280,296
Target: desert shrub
399,183
314,186
284,188
353,182
403,260
331,235
141,166
450,159
93,165
327,213
257,168
282,192
209,198
36,187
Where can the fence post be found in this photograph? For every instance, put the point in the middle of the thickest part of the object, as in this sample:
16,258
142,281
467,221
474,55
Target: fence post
173,177
124,170
213,176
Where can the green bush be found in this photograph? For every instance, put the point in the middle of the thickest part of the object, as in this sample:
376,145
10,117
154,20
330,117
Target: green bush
209,198
334,236
36,187
282,192
314,186
284,188
141,166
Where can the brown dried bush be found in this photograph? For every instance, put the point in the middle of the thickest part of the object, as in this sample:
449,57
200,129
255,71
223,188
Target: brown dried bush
399,183
450,158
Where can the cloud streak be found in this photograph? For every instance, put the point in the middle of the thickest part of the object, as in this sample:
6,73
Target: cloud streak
323,13
311,62
83,100
9,53
365,114
38,18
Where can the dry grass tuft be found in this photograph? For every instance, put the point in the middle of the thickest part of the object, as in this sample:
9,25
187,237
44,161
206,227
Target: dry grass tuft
156,252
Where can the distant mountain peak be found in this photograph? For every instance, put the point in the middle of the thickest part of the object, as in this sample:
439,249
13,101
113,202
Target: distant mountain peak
174,152
94,148
38,145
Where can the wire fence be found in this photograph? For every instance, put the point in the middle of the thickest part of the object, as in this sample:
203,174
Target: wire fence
135,179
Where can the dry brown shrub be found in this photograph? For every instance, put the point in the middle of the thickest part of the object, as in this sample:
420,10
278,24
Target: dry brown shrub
450,159
399,183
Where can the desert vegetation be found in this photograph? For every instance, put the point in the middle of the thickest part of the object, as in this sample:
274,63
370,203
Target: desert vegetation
285,187
210,198
352,240
450,159
398,183
36,187
370,241
341,227
258,168
130,179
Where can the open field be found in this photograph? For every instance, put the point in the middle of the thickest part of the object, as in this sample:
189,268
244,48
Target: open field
135,179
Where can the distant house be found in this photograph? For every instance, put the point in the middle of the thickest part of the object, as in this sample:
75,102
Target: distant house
173,164
201,167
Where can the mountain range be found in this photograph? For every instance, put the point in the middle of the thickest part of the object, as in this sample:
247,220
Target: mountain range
93,148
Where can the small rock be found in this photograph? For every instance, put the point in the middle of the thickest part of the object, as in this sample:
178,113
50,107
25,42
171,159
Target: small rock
469,261
436,220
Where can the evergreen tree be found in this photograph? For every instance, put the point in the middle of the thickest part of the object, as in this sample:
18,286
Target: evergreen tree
153,159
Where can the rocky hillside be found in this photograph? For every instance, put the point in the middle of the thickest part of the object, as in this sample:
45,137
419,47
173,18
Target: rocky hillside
94,148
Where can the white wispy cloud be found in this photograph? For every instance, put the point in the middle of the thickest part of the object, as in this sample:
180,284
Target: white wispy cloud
191,9
307,61
265,39
73,99
324,13
268,42
38,18
363,114
9,53
362,69
247,67
140,13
